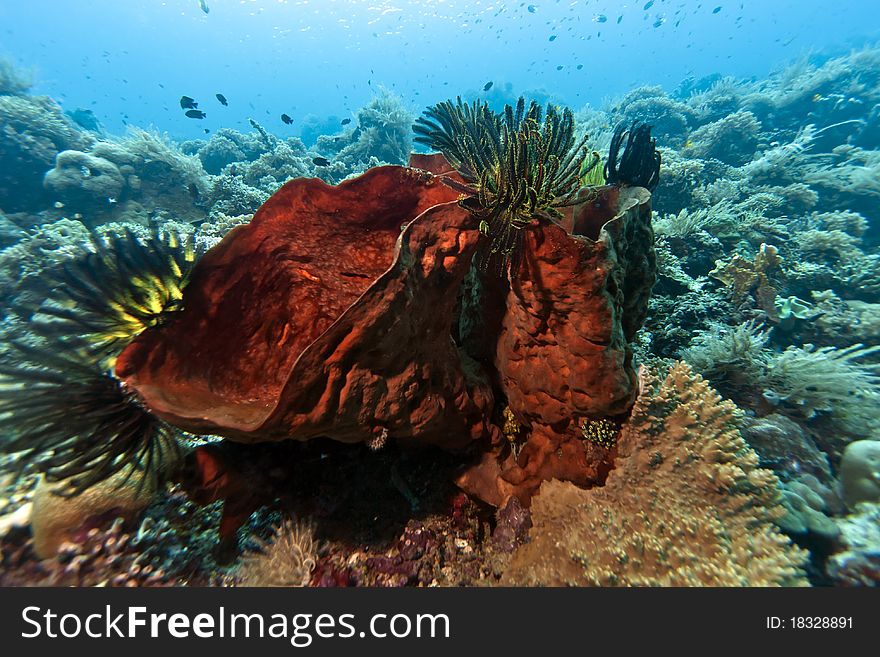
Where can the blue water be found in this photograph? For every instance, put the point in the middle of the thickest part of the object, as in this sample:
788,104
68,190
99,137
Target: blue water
131,60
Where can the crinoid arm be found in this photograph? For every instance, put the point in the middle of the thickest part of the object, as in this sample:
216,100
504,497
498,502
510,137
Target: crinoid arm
523,164
120,285
639,163
62,415
62,411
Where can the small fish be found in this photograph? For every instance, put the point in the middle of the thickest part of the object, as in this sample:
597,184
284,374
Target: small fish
196,114
580,66
648,5
600,18
345,121
552,37
222,99
207,131
320,161
59,204
203,4
531,9
619,18
488,85
659,22
717,9
817,98
188,103
286,119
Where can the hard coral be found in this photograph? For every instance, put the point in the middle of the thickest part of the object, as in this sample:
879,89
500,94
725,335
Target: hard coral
686,504
746,277
33,129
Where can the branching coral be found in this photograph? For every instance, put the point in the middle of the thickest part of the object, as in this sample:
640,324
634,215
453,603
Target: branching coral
685,505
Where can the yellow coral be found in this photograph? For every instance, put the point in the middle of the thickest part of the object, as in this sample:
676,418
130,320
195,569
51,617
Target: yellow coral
685,505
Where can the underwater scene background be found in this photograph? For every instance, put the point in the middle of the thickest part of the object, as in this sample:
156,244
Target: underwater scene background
537,360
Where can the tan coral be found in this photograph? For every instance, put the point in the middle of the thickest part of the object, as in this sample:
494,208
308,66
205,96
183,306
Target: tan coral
745,277
686,505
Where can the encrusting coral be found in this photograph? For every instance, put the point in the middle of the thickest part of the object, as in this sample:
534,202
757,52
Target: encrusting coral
685,505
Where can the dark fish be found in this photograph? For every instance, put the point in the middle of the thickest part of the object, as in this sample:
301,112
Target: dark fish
717,9
487,86
188,103
320,161
286,119
207,131
619,18
531,9
552,37
648,5
559,68
196,114
580,66
222,99
345,121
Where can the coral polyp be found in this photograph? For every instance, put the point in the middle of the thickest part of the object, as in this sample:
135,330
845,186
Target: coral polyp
519,165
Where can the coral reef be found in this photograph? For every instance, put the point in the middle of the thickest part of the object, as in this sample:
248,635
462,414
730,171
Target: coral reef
13,81
686,505
33,130
124,178
733,139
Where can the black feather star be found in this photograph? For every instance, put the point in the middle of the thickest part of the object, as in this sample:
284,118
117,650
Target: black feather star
639,165
62,411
